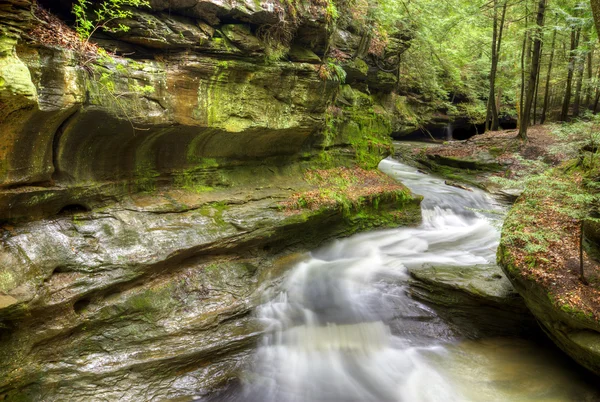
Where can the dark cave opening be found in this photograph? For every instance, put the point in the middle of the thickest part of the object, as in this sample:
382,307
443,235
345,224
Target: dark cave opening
447,133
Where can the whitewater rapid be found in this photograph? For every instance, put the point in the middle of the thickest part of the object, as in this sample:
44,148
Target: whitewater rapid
342,328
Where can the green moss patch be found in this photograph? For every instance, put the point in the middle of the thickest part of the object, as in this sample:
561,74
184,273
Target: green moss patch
357,192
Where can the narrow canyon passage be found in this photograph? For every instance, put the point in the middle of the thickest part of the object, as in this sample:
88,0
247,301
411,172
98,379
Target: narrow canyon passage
342,327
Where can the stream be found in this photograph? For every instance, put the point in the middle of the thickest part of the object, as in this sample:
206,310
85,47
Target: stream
341,327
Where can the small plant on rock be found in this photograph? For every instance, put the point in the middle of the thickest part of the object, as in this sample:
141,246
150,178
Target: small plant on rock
87,23
331,71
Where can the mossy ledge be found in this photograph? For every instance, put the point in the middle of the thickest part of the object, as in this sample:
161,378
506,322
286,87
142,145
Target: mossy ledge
201,104
572,330
158,291
539,238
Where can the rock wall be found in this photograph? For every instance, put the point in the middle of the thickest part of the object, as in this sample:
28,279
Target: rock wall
140,196
573,331
199,93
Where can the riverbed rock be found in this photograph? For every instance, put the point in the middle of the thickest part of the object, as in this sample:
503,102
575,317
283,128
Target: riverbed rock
479,300
152,295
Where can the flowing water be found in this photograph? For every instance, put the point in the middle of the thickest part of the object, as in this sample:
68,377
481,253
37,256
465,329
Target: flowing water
342,328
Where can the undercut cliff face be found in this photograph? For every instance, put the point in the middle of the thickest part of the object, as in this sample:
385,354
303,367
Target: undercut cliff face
143,194
194,94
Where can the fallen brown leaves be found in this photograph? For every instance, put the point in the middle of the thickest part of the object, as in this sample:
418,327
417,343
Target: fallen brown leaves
49,30
503,144
556,268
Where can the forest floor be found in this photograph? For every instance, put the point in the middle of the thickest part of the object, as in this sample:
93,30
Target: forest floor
556,182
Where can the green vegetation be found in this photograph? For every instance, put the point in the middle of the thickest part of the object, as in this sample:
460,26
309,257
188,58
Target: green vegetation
102,16
145,177
192,180
555,192
449,64
349,190
332,71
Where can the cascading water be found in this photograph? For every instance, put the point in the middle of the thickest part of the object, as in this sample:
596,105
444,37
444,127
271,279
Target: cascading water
342,328
449,132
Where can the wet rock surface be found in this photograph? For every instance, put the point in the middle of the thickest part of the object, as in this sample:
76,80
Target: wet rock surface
139,196
151,296
478,300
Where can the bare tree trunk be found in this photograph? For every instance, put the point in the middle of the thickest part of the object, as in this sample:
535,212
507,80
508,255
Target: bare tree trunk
581,270
537,85
596,13
495,118
575,33
492,119
596,101
533,73
491,105
579,85
523,50
547,89
597,93
588,88
499,101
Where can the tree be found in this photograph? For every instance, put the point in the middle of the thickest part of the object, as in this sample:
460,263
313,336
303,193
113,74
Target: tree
575,34
580,70
548,75
492,119
596,12
588,91
523,52
534,70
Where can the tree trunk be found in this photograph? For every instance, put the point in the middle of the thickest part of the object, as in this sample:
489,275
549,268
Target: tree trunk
597,93
537,85
547,89
496,107
575,33
588,88
581,270
491,105
596,13
579,85
523,49
498,101
533,71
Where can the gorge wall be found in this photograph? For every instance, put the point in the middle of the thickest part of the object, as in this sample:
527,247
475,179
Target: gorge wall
141,193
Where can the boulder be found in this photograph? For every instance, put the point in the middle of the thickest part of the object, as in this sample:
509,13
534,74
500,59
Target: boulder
162,31
241,36
140,198
303,55
575,332
152,295
479,300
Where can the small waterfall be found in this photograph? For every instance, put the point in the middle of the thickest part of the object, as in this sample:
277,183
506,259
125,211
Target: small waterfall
449,132
341,328
329,328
